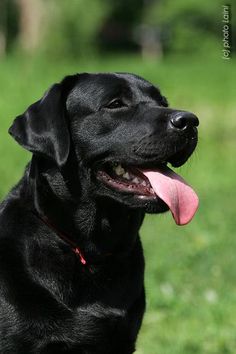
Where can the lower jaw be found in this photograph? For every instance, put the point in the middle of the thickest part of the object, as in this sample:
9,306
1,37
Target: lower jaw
140,192
150,204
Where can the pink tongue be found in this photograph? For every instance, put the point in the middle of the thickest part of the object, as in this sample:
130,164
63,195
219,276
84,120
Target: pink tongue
175,192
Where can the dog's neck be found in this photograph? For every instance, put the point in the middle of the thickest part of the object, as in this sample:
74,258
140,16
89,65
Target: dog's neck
97,226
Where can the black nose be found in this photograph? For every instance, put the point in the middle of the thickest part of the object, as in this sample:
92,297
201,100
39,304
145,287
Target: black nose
183,120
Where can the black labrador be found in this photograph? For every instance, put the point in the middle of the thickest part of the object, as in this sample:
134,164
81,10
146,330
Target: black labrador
71,260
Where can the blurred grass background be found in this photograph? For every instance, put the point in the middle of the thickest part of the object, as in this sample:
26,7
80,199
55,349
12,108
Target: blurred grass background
190,271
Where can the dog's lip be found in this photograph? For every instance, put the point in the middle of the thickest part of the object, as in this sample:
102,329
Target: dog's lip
134,163
181,156
177,163
178,160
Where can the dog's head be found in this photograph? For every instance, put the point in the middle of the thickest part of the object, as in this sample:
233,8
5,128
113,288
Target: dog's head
123,135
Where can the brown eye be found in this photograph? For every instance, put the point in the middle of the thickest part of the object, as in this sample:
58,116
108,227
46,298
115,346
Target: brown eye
116,103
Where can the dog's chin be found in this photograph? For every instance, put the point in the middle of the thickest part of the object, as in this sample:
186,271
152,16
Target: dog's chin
148,205
156,207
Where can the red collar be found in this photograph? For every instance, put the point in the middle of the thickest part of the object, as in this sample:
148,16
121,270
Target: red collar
65,238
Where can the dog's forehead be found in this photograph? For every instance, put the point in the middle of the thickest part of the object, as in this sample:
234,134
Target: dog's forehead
98,87
109,81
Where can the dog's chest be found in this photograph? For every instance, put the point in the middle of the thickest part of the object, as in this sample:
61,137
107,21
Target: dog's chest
109,313
98,329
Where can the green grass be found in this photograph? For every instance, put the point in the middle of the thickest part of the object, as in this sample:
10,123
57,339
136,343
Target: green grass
190,271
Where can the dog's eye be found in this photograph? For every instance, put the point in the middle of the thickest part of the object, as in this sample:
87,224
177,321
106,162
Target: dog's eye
116,103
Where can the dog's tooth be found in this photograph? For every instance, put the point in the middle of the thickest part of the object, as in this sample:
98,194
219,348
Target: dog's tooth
126,175
119,170
144,183
135,180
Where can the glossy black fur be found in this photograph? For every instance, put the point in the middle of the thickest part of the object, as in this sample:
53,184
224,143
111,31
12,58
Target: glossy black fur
49,301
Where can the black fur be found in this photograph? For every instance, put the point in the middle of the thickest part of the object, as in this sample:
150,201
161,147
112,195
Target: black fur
49,301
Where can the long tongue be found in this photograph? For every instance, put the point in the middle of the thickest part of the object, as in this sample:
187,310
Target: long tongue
175,192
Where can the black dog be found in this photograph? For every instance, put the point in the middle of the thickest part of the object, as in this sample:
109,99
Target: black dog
71,261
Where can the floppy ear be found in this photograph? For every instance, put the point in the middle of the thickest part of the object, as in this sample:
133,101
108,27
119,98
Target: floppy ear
42,129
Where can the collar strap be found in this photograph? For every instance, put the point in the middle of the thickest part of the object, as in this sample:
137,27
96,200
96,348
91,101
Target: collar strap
65,238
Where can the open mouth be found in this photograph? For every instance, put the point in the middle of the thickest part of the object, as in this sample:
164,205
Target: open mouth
161,182
126,179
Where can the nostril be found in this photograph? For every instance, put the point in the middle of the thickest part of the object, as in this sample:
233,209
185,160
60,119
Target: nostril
184,120
178,122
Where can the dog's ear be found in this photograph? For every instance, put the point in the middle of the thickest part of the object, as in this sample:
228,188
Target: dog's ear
43,129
